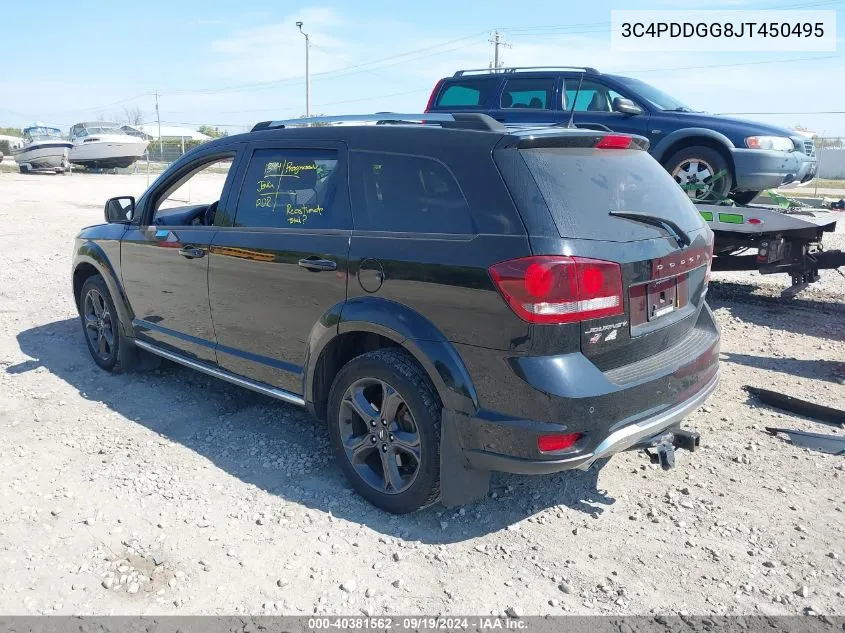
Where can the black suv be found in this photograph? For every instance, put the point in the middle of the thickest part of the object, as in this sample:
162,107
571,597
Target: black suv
452,297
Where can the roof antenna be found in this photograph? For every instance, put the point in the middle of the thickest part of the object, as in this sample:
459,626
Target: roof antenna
574,100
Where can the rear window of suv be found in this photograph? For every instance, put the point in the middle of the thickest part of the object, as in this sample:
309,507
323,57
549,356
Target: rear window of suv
581,187
468,93
403,193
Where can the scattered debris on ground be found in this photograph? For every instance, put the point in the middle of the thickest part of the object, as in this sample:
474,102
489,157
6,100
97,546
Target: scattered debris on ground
172,492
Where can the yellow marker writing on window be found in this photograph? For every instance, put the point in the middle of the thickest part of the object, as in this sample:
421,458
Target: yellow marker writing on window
302,210
265,185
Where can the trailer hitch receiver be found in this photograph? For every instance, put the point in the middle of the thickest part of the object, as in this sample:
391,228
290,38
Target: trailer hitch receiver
661,449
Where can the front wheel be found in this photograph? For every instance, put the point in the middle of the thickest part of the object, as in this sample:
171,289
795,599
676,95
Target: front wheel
384,426
100,323
702,172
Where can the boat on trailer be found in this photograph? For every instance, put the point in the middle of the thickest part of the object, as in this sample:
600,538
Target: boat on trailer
43,148
102,145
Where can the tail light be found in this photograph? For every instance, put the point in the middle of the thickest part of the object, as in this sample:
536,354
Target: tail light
556,441
709,263
614,141
432,95
556,289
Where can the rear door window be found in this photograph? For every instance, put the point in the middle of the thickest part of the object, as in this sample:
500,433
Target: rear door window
402,193
466,93
290,188
582,186
535,94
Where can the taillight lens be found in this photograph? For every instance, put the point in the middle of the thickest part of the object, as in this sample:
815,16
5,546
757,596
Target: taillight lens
709,263
432,95
556,441
558,289
614,141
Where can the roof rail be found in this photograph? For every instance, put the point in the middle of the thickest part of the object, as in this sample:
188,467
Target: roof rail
458,120
515,69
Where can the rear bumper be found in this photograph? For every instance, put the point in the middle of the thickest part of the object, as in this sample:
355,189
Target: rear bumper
756,170
618,441
524,397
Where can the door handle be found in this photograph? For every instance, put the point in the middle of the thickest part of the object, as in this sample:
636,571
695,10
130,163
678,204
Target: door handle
317,264
191,252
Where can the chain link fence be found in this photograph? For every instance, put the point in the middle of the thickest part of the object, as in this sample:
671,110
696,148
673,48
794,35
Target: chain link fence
830,152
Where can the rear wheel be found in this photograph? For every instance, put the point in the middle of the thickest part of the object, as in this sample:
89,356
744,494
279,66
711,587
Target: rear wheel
384,425
702,172
99,323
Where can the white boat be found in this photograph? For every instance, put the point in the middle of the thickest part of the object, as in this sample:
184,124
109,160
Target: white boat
104,145
43,148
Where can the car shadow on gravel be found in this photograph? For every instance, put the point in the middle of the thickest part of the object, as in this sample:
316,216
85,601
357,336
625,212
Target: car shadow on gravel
281,449
815,368
811,318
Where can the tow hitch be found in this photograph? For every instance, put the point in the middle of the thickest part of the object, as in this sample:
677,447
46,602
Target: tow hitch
661,448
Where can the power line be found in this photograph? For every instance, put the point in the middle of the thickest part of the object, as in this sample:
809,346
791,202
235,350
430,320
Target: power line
498,42
336,72
764,61
102,107
592,25
323,105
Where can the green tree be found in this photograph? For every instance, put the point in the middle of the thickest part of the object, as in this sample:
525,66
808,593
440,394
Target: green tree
318,124
11,131
213,132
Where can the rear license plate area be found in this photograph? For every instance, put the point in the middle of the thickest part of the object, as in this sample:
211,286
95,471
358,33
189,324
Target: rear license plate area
662,298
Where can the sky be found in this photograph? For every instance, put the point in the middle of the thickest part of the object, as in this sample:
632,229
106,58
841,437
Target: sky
231,64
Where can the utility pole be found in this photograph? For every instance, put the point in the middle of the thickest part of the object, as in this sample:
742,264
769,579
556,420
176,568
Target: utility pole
160,142
307,72
497,41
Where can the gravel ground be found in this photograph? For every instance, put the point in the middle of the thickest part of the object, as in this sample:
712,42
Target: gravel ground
171,492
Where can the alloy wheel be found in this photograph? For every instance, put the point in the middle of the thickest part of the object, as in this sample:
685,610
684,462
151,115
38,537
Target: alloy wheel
99,327
696,177
380,437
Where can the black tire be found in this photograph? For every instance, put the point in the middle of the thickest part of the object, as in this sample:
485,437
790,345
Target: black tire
100,324
698,164
24,169
744,197
395,374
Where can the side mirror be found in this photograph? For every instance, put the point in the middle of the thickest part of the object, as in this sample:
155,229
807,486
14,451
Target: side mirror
626,106
120,210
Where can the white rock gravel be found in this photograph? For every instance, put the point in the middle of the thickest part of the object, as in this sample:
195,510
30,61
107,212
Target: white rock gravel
125,493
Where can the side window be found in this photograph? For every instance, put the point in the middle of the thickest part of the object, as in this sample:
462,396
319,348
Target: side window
290,188
536,94
470,93
397,192
593,96
612,95
202,185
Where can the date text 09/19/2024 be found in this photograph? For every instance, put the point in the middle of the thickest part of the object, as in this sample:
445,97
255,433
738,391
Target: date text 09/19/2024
416,623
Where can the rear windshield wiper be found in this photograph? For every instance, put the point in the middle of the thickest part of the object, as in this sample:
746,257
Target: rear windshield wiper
667,225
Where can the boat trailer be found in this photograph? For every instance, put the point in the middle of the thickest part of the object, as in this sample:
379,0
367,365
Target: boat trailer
787,240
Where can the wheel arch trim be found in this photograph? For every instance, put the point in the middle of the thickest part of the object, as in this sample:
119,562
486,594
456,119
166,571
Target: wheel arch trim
662,149
93,255
409,330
